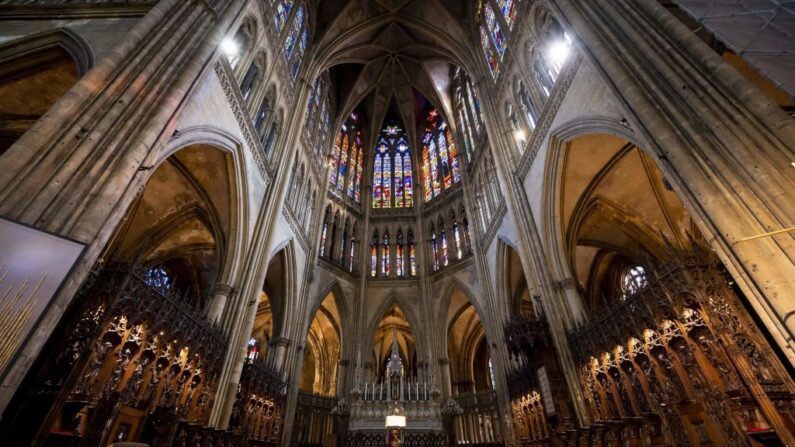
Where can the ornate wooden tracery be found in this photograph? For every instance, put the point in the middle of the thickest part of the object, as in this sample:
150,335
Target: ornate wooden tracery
135,362
683,355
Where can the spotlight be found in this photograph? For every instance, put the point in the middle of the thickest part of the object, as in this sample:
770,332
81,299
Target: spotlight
229,47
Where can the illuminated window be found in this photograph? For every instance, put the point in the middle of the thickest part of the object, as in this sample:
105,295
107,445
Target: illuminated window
633,280
444,254
159,279
393,183
400,260
441,168
345,163
282,13
412,254
434,249
492,24
457,236
252,350
385,255
374,255
296,41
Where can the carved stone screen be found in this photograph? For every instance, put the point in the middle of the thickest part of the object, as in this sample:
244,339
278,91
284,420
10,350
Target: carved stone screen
33,264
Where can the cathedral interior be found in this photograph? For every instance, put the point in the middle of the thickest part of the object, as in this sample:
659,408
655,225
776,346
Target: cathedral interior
507,222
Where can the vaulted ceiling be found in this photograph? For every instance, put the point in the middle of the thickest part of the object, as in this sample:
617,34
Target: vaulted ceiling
399,52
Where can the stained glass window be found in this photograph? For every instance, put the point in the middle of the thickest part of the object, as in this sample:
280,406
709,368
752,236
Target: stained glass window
412,254
434,249
282,13
457,236
444,255
493,38
400,260
441,168
374,254
345,163
252,350
508,10
294,35
633,280
385,255
392,176
159,279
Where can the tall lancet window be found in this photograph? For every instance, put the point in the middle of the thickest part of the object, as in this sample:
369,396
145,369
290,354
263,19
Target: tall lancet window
496,18
400,259
385,255
439,156
393,182
434,249
412,254
374,254
296,41
345,162
282,13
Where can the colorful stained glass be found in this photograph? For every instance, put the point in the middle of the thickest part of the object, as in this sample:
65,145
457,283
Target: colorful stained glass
508,10
488,51
435,250
343,163
455,168
392,177
282,13
457,236
441,168
399,257
335,160
445,258
494,28
294,35
323,236
385,255
352,171
398,180
377,188
426,173
374,255
412,257
444,166
357,192
386,182
408,183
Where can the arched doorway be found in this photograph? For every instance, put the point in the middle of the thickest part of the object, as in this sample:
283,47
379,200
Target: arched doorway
667,331
471,373
136,351
319,376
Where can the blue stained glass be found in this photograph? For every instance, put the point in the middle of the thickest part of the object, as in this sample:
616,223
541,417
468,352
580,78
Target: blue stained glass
282,13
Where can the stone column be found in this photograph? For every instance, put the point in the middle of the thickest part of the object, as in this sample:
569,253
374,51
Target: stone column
724,146
77,170
221,294
444,369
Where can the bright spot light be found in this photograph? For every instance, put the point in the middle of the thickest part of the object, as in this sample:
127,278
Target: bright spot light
558,52
229,46
520,135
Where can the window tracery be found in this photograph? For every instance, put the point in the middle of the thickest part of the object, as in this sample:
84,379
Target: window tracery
393,182
347,157
296,41
633,280
283,8
441,168
159,278
467,113
496,19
